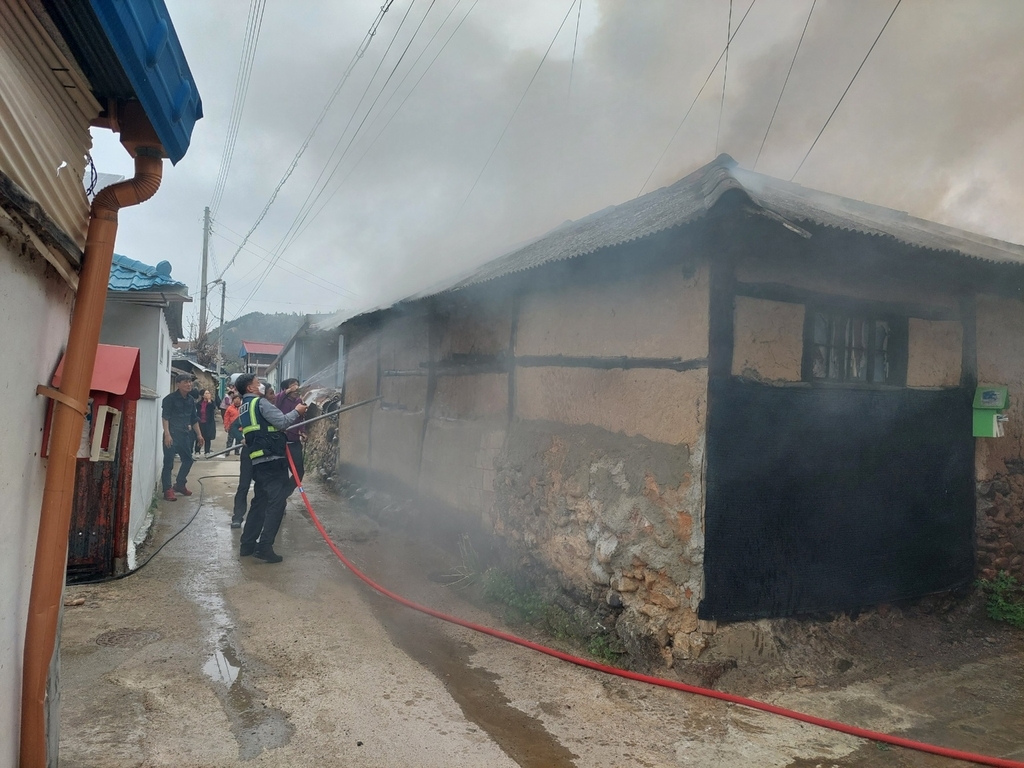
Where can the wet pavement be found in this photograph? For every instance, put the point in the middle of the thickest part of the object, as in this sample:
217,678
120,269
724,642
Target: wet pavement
205,659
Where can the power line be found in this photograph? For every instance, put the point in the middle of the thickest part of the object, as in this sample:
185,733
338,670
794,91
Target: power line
363,46
572,63
301,272
393,114
213,259
694,102
785,83
518,105
254,24
281,243
304,210
323,282
725,79
815,142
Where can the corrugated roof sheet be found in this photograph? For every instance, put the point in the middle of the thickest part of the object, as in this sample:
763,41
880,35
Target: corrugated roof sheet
260,348
44,123
693,196
131,275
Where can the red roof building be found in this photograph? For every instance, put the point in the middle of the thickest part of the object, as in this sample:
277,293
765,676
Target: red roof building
258,355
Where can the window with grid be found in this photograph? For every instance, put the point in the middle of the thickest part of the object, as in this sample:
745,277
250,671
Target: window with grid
853,347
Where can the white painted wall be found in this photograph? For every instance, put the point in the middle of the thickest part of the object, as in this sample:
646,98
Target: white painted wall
35,311
133,325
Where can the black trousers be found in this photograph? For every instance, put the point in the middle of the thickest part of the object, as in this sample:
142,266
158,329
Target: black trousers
273,487
244,481
182,446
209,431
234,438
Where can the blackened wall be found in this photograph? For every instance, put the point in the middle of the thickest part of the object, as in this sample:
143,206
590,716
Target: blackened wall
832,499
829,496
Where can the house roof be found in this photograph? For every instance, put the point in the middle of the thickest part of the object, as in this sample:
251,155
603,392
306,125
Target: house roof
260,348
131,275
128,49
178,361
693,196
308,327
133,282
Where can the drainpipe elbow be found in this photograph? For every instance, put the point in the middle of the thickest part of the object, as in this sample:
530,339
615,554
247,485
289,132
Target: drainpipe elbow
138,189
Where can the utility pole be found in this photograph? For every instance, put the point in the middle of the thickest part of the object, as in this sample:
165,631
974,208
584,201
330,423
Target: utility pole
203,286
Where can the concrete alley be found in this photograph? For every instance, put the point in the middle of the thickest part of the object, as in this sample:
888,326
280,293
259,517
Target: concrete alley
202,659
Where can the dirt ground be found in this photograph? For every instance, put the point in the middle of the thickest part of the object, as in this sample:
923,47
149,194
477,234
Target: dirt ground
205,659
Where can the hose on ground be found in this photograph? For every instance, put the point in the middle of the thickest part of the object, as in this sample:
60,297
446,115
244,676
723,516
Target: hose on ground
144,563
851,730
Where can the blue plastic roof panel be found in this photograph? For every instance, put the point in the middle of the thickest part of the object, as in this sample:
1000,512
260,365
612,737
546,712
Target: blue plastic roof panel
143,37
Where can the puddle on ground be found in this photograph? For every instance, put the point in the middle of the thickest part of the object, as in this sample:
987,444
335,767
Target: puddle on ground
256,726
219,669
522,737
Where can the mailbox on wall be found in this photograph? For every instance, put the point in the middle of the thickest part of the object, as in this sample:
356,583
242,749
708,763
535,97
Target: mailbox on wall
990,402
115,383
98,536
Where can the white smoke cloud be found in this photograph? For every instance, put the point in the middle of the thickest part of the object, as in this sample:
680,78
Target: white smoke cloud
932,126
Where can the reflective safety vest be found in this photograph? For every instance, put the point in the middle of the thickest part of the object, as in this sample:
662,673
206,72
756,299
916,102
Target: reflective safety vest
262,438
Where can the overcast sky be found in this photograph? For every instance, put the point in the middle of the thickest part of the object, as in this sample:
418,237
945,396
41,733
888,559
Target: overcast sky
933,125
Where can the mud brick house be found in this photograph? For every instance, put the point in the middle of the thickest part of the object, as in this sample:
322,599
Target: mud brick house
731,398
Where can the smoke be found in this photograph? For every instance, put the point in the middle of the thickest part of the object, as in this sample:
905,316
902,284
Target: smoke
931,126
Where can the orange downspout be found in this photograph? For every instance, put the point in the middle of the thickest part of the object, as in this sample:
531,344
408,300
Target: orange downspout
66,434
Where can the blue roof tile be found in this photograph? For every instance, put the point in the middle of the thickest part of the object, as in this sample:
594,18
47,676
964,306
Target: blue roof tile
130,275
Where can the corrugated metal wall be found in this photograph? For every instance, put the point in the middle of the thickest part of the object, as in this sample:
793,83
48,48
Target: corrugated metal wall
45,109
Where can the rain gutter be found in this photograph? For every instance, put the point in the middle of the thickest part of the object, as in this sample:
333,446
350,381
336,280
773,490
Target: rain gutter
140,139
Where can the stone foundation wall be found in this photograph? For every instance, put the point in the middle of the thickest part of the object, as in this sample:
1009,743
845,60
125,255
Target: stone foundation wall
618,519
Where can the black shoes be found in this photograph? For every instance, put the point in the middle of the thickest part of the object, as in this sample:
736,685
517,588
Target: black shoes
267,555
236,523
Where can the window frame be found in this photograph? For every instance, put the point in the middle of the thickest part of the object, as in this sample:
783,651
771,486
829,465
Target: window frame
897,351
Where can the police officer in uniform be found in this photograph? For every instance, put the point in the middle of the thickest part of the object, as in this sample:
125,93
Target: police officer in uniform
263,429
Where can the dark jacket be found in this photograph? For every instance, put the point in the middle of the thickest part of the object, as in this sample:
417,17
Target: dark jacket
180,413
208,414
286,404
263,427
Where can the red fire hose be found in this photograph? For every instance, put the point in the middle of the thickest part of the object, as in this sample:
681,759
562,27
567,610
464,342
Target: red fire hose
852,730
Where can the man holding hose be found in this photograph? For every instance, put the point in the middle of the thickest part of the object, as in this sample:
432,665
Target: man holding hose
263,429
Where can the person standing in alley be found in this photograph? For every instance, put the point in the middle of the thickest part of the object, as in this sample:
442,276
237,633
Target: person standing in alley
196,394
287,399
207,412
229,396
231,427
180,422
263,429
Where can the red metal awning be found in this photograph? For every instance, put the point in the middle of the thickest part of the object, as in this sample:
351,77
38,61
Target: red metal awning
116,372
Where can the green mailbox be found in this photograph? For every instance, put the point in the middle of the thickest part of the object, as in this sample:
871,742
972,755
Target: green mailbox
990,400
